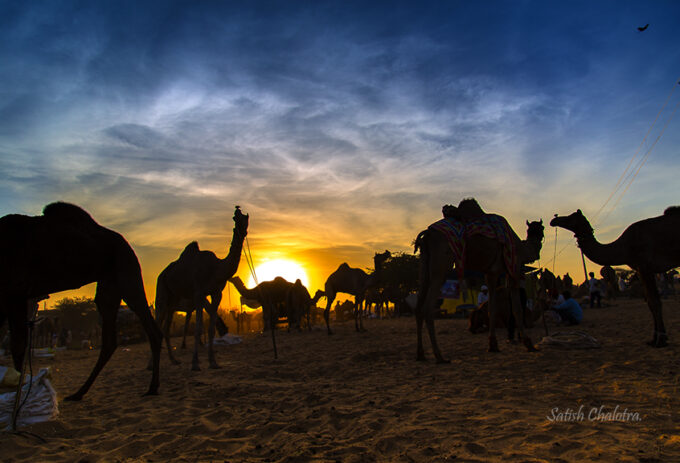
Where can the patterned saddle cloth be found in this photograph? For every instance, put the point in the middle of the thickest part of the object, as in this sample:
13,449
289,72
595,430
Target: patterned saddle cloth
491,226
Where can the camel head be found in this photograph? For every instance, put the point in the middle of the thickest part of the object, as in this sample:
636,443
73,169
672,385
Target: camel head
450,211
240,222
535,230
380,258
575,222
318,295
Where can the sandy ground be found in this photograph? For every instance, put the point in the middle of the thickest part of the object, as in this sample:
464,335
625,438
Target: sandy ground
363,397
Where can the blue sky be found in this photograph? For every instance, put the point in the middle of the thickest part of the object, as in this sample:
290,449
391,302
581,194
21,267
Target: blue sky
341,127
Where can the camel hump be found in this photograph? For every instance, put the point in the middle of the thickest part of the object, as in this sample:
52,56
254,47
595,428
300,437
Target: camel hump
672,210
469,208
191,248
68,212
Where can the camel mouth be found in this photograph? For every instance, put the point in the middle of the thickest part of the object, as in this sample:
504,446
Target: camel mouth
555,222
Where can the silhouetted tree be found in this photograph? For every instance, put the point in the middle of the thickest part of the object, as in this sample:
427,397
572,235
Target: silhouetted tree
400,276
76,305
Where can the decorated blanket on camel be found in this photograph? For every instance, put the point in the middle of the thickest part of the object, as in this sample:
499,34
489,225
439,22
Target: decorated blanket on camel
491,226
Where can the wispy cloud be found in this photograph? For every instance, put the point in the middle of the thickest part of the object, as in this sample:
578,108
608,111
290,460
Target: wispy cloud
340,130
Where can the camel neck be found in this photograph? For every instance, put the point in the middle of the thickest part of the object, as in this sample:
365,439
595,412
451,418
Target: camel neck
230,263
601,254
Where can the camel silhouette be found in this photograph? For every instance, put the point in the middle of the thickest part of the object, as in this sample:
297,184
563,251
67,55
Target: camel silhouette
66,249
299,303
649,246
481,253
611,281
194,276
220,326
352,281
271,295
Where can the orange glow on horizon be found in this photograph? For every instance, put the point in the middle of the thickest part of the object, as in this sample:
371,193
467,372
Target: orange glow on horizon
285,268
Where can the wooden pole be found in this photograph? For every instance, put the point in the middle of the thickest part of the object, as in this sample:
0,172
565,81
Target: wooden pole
583,259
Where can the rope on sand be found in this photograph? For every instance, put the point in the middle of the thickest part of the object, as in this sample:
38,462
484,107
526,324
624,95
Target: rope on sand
571,340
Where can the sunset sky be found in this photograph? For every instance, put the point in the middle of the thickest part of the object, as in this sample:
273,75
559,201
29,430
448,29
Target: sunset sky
340,127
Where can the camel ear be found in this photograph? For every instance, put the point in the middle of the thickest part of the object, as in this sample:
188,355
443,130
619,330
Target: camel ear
541,222
527,223
578,211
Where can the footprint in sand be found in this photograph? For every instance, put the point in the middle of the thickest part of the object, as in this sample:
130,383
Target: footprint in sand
475,449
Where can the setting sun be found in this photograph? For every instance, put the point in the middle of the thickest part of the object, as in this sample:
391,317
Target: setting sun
287,269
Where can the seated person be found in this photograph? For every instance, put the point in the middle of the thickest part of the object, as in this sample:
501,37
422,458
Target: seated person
569,311
483,296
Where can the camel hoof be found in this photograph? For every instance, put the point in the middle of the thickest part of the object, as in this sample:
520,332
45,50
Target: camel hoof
215,366
442,360
528,344
661,342
74,398
150,392
493,345
195,368
175,362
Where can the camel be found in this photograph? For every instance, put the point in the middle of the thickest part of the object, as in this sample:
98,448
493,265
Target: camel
481,253
299,303
66,249
479,318
649,246
611,281
221,327
194,276
567,282
271,295
550,285
375,296
352,281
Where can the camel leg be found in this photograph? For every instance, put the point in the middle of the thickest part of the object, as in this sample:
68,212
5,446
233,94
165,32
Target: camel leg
420,355
164,313
138,304
358,312
187,322
660,338
330,297
433,294
167,322
215,300
518,311
18,331
492,283
198,331
108,300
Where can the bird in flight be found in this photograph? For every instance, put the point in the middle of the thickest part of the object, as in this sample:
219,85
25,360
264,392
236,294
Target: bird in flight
640,29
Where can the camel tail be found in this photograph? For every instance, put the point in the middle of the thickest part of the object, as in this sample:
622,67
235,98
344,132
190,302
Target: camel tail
420,242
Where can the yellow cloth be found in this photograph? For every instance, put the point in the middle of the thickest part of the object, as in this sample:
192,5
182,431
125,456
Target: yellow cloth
10,378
